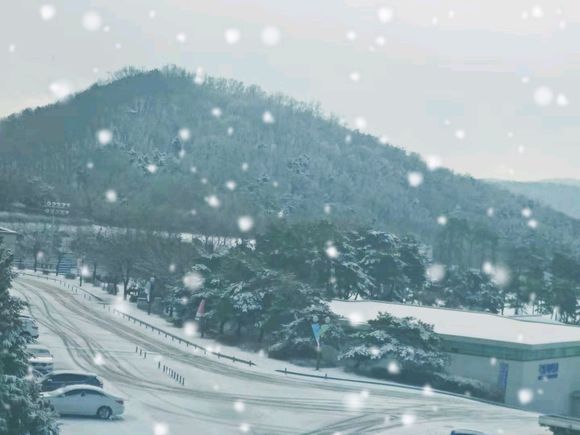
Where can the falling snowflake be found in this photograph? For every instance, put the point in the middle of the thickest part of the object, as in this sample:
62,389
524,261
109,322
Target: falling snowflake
270,36
460,134
332,252
435,272
375,351
11,48
442,220
104,136
525,396
230,131
393,368
98,359
490,212
526,212
427,390
493,361
111,195
245,223
562,100
231,185
380,41
521,149
172,267
487,267
92,21
184,134
152,168
192,280
408,419
181,37
90,165
451,14
383,140
327,209
267,118
212,200
543,96
415,179
435,21
537,12
152,13
385,15
533,224
61,89
190,329
232,36
433,162
360,123
351,35
47,12
160,429
353,401
355,76
501,276
204,181
348,138
216,112
245,167
239,406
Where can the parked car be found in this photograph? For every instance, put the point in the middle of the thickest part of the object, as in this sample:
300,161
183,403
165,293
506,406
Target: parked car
64,378
85,400
40,358
29,326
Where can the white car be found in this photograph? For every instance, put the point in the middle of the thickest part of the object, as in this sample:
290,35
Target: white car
40,359
29,326
85,400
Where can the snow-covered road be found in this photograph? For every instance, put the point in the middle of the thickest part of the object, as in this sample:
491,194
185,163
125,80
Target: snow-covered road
221,397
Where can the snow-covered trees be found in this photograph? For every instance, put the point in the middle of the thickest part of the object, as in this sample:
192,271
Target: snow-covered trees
392,346
21,410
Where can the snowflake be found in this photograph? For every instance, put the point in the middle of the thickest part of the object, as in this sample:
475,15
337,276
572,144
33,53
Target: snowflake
451,14
212,200
270,36
181,37
61,89
435,21
245,223
490,212
152,168
232,36
375,351
393,368
47,12
385,15
383,140
360,123
90,165
244,427
231,185
380,41
442,220
327,209
104,136
427,390
239,406
216,112
433,162
92,21
561,100
501,276
521,149
118,46
526,212
192,280
353,401
435,272
152,13
525,80
199,76
184,134
98,359
537,12
111,195
355,319
408,419
460,134
161,429
267,118
245,166
332,252
230,131
351,35
533,224
348,138
355,76
415,179
193,212
11,48
543,96
493,361
190,329
525,396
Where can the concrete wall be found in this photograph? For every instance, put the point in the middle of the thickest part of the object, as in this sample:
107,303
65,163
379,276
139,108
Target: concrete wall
549,395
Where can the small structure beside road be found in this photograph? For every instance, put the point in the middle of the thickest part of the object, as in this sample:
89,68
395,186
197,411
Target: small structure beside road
9,238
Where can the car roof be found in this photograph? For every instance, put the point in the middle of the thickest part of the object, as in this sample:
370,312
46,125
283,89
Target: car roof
82,387
37,346
70,372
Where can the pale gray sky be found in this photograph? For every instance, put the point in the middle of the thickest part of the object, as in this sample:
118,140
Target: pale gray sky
446,69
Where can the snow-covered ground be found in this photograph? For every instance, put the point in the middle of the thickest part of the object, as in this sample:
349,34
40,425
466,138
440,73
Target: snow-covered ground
221,397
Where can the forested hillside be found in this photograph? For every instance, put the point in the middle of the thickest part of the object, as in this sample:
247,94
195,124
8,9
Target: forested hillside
193,153
561,195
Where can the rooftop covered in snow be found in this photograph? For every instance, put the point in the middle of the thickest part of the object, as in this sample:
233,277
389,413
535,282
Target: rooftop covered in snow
467,324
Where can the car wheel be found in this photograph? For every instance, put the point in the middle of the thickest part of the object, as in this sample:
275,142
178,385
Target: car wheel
104,412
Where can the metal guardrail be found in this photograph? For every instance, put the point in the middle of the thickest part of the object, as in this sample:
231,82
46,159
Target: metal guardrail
141,322
73,287
174,337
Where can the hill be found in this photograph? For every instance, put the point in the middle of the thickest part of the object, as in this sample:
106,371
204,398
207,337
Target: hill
561,195
195,153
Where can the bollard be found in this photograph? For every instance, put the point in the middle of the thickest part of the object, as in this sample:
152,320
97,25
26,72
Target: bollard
233,359
140,352
136,349
145,355
285,371
158,364
326,376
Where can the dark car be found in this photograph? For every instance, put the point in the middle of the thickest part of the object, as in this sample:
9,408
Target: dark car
64,378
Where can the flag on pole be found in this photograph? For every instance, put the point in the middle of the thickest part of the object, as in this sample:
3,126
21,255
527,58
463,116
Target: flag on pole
201,309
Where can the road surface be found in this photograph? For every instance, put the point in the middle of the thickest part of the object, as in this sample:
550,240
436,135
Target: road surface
221,397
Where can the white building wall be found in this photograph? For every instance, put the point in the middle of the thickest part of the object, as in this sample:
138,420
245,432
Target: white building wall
550,396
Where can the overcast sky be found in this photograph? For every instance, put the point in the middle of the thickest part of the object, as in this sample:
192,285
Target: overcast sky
491,87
